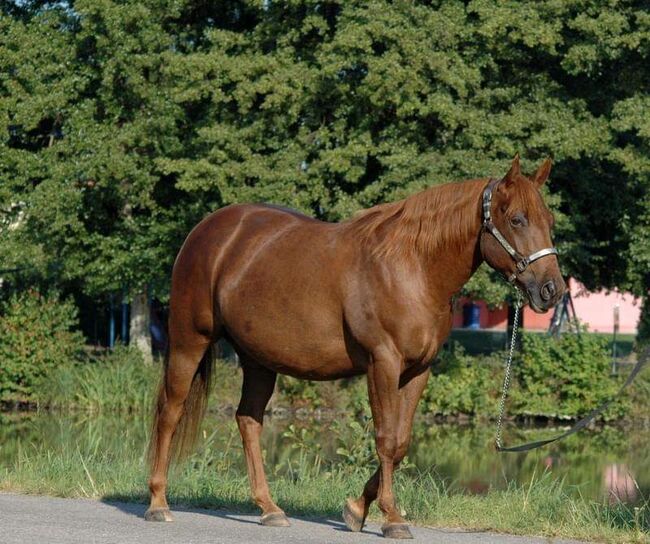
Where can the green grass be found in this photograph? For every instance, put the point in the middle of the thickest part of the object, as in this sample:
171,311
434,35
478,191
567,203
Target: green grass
93,466
119,381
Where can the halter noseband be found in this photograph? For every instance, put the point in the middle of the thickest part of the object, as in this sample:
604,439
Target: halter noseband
521,261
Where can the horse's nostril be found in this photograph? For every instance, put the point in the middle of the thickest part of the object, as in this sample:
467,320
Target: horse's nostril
548,290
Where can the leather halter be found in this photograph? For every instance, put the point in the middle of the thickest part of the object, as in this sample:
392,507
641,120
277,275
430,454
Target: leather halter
521,261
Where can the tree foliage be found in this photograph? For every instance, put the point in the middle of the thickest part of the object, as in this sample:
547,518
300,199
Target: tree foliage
125,122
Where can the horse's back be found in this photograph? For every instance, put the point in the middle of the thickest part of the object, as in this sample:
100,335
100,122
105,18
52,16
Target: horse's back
236,227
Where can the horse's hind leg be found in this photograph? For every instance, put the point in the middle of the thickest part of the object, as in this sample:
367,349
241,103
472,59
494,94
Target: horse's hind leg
257,389
180,377
355,511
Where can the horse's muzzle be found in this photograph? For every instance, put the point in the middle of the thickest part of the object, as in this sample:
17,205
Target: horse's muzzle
542,299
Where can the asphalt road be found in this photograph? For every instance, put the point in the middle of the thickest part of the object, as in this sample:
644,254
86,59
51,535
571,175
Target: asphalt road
28,519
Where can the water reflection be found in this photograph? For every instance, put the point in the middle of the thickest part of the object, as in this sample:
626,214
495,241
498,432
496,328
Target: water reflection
608,464
619,483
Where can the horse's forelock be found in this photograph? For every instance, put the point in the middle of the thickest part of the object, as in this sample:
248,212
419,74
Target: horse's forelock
526,197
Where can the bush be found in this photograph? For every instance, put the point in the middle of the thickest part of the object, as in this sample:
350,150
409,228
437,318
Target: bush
349,395
299,393
643,335
462,384
565,377
553,378
37,334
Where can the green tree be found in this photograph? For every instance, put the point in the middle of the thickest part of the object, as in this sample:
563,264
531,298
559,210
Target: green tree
83,101
330,107
128,121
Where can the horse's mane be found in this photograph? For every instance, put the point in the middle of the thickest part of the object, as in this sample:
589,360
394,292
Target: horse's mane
440,217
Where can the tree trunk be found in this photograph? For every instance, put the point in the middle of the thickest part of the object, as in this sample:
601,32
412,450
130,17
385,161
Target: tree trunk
139,333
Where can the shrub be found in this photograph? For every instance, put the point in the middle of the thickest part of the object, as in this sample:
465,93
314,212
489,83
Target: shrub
299,392
554,378
643,335
349,395
37,334
567,376
462,384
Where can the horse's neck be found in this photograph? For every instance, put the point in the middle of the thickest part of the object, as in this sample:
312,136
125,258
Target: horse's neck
438,227
453,259
447,270
455,270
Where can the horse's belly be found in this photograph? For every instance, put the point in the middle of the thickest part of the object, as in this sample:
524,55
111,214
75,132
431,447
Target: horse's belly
301,352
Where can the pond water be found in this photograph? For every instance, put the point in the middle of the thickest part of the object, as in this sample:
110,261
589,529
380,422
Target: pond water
604,464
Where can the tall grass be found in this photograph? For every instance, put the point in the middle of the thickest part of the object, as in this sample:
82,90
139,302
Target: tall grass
117,382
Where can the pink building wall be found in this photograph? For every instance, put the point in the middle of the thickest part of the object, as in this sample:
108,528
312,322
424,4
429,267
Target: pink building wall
596,310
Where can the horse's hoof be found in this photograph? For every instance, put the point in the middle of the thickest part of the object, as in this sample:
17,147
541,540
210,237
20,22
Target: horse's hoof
353,520
396,530
158,514
275,519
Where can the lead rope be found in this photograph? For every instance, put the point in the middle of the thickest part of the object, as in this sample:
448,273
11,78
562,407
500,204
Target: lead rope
506,379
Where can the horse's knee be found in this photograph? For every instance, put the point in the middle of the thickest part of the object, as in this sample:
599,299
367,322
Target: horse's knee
170,414
386,501
400,452
399,457
386,445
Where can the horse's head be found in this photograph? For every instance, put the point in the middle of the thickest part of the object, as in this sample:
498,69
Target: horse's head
516,238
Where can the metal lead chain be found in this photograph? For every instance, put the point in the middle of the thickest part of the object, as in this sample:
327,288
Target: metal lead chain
506,379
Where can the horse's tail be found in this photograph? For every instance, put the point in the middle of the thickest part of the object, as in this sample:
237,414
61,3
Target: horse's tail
194,408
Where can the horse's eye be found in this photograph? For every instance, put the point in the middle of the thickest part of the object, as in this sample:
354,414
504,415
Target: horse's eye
518,221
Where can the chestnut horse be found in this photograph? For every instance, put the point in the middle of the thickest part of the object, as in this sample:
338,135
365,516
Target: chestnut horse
321,301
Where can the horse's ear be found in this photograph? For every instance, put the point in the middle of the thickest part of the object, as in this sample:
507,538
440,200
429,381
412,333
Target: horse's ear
514,171
542,172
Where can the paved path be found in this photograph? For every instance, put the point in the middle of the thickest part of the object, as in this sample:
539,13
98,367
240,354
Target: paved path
27,519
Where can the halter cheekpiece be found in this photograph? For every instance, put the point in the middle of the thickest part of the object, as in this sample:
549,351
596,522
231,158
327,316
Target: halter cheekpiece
521,261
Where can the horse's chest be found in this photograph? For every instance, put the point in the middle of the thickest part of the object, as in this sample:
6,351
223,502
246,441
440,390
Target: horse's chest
414,329
420,341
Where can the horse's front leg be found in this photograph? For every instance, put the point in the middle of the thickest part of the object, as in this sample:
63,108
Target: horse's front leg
383,390
356,510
